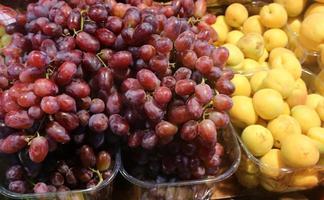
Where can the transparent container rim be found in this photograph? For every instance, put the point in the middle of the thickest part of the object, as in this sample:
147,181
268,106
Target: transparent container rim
105,183
230,171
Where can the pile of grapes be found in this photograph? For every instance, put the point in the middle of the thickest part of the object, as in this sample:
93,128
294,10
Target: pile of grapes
83,76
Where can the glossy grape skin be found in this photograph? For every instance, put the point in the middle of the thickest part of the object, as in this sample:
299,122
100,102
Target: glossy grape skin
49,105
52,29
121,60
203,93
103,161
97,13
220,119
135,96
130,83
69,121
18,119
114,24
204,64
66,103
12,144
84,175
114,103
132,17
165,129
98,122
97,105
27,99
118,125
146,52
72,55
38,149
57,132
159,64
65,73
104,79
148,79
74,20
179,115
185,87
105,36
225,86
78,89
35,112
142,31
14,70
48,46
87,156
87,42
15,173
189,130
207,132
194,108
153,112
220,56
222,102
45,87
37,59
162,95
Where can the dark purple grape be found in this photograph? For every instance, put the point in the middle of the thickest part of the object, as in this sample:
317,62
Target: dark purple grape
15,173
118,125
98,122
87,156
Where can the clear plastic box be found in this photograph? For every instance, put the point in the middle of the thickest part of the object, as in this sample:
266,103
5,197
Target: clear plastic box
102,191
285,179
194,189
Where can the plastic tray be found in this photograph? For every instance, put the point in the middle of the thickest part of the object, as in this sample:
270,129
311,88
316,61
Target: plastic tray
102,191
189,190
289,179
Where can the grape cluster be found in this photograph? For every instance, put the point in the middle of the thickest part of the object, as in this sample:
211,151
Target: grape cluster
83,74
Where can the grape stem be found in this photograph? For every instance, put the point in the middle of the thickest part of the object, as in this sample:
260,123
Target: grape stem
193,21
98,56
98,174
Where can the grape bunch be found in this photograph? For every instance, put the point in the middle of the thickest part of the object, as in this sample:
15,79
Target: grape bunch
80,76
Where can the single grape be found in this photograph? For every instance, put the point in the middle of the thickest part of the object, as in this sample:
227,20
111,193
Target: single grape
78,89
27,99
98,13
45,87
65,73
220,119
18,186
148,79
87,42
38,149
152,111
37,59
66,103
135,96
57,132
194,108
98,122
189,130
149,140
162,95
103,161
40,188
15,173
203,93
146,52
179,115
204,64
57,179
222,102
225,86
220,56
114,103
118,125
185,87
97,105
114,24
169,82
165,129
84,175
105,36
18,119
207,132
49,105
87,156
69,121
12,144
182,73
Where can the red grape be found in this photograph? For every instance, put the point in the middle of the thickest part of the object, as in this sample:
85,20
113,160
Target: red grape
12,144
50,105
165,129
18,119
38,149
57,132
45,87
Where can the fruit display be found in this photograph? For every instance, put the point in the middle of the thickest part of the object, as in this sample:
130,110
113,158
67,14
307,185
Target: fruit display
81,79
277,105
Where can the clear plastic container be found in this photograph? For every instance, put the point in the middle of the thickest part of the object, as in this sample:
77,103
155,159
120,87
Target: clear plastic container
283,179
194,189
102,191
